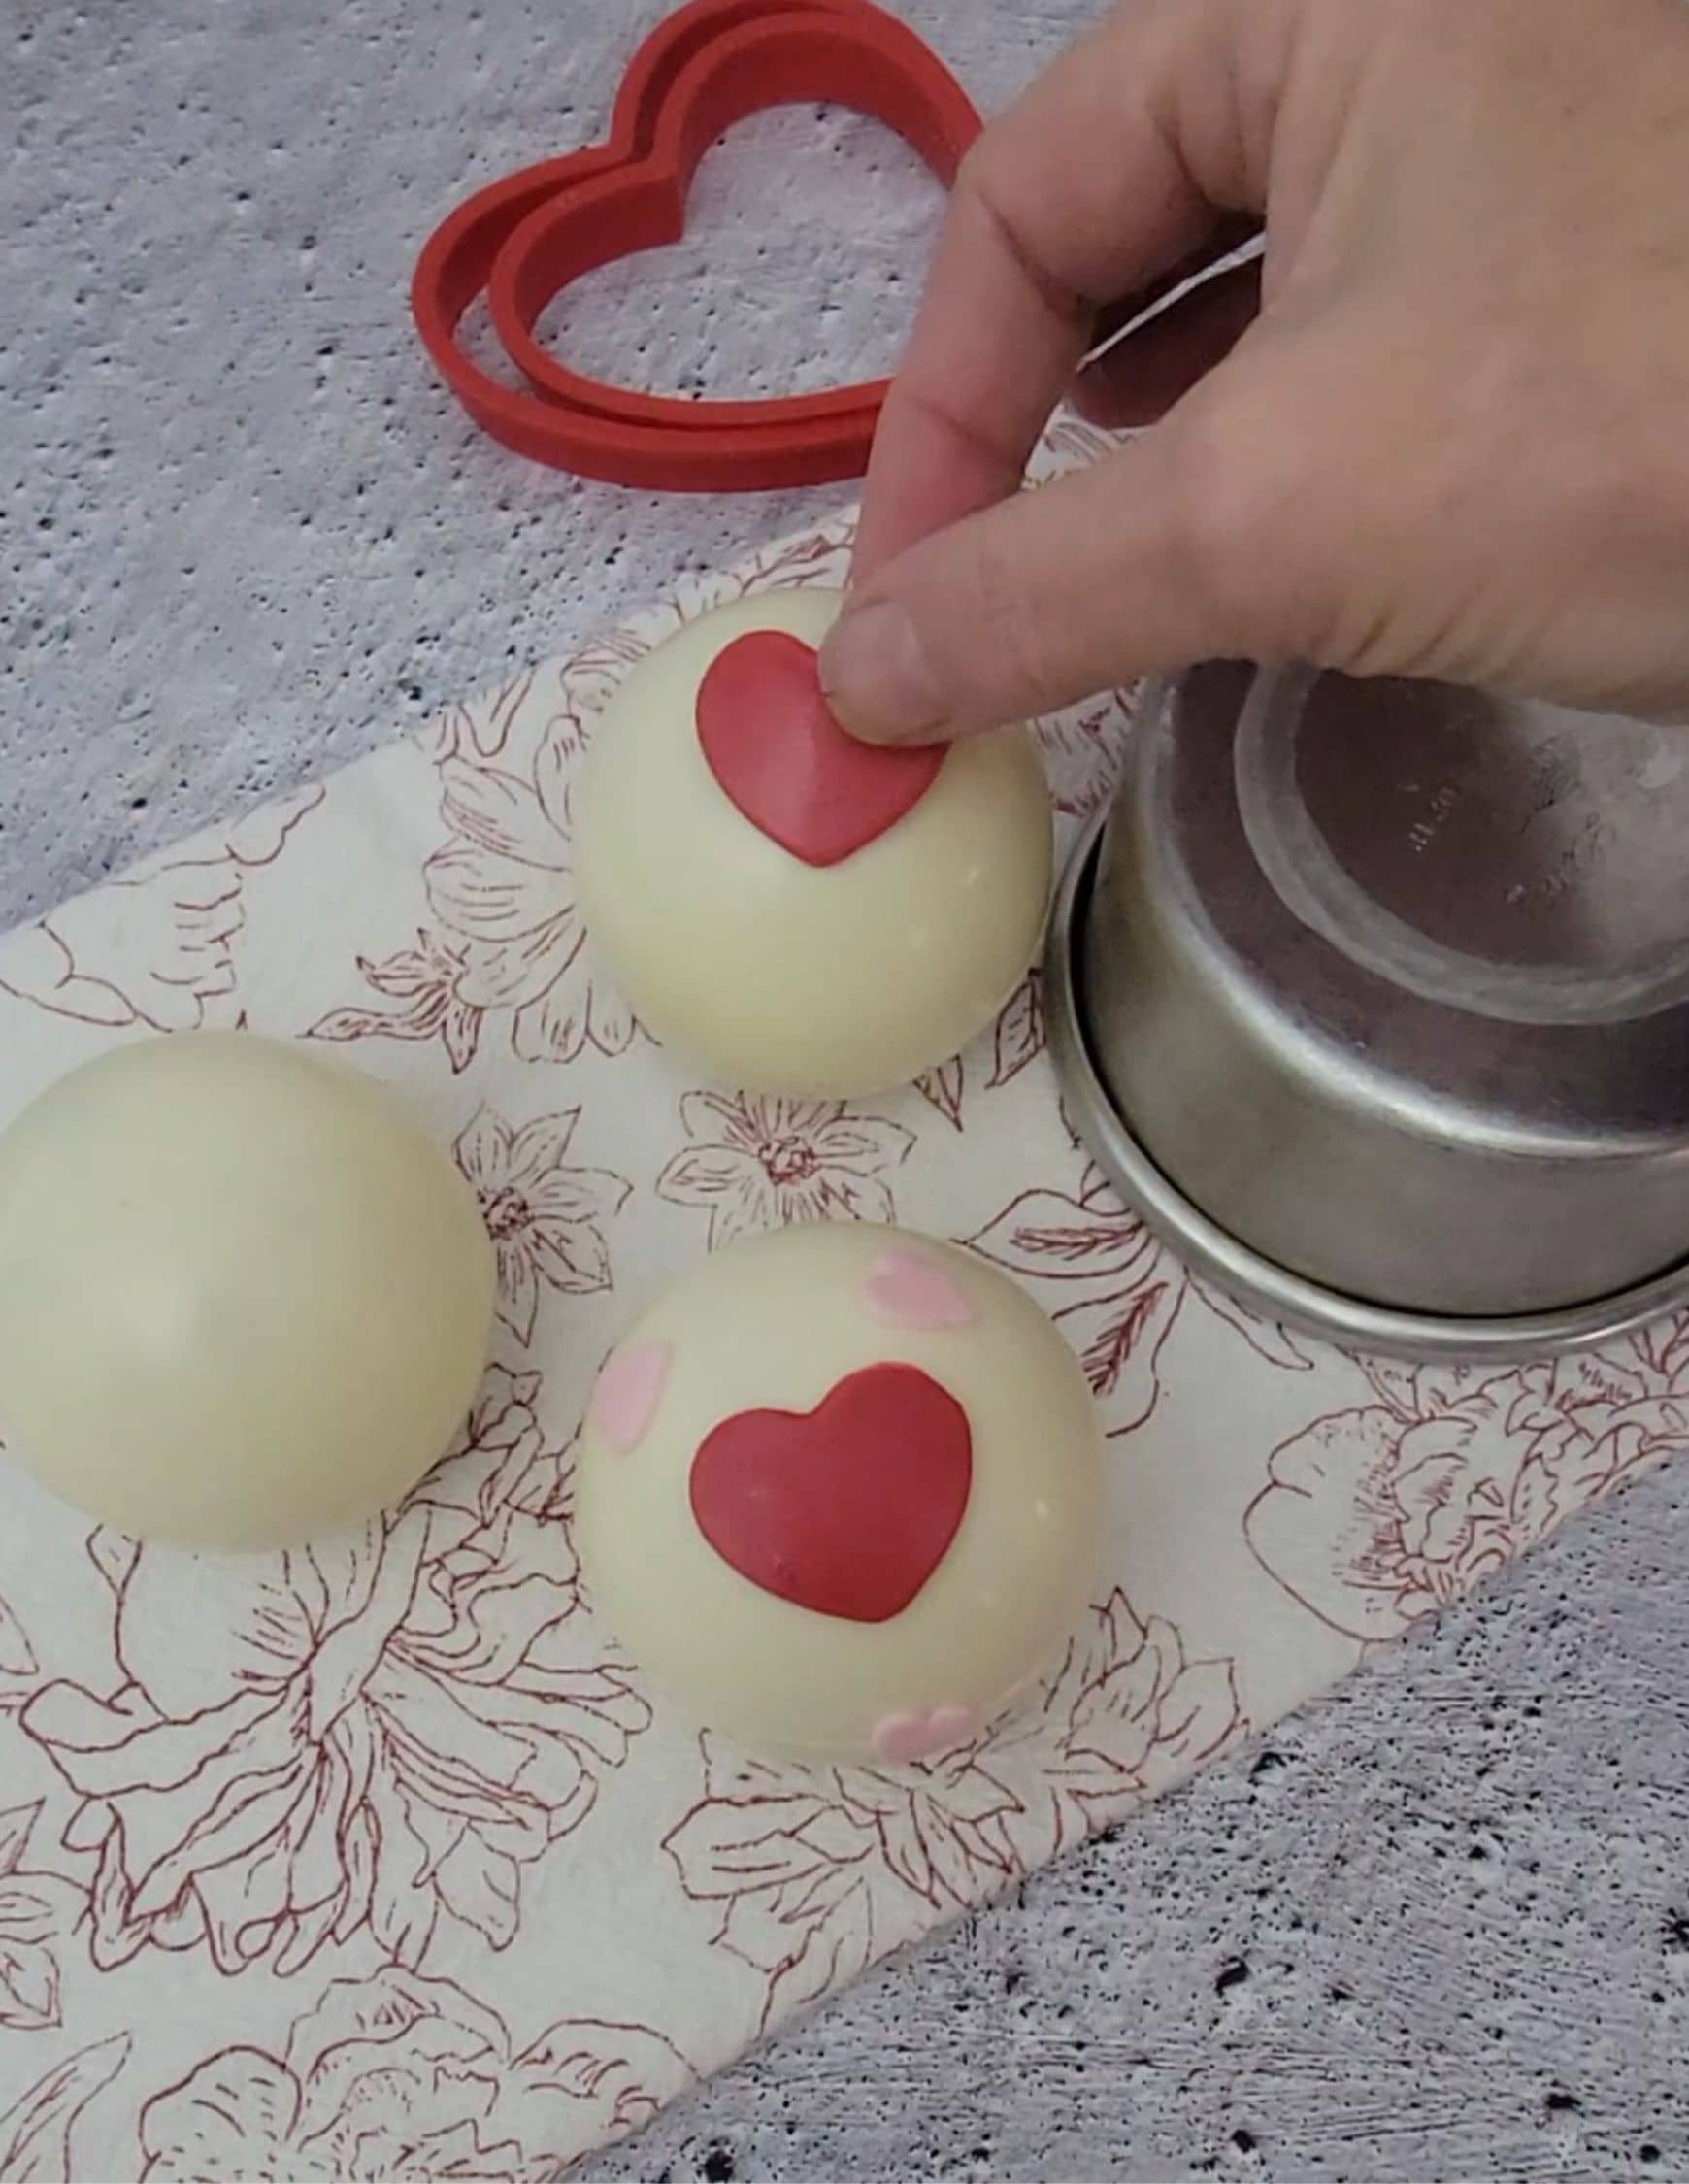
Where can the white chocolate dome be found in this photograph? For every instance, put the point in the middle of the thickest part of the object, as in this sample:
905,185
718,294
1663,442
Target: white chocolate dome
839,1493
773,970
243,1296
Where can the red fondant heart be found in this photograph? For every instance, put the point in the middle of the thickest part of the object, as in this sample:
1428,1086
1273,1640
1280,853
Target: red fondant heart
846,1510
785,762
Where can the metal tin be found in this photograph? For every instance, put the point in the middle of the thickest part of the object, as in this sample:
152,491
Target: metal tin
1375,998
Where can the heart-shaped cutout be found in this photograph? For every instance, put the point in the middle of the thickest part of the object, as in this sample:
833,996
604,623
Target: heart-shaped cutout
651,324
847,1510
784,763
708,65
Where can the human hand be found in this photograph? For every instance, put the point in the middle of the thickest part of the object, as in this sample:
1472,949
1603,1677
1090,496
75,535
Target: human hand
1454,443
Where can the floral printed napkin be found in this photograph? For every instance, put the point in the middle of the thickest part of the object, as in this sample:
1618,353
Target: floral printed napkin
375,1859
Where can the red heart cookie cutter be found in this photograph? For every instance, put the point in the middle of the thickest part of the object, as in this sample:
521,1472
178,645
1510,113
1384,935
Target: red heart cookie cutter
525,238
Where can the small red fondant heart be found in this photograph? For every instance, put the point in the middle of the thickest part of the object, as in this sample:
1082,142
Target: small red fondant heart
846,1510
783,761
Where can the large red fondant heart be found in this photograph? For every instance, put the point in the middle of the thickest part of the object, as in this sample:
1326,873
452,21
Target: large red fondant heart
779,755
848,1509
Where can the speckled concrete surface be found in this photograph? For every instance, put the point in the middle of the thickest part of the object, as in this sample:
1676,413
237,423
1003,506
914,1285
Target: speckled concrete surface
1440,1927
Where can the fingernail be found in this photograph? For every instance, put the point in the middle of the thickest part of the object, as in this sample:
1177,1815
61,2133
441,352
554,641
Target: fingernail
877,677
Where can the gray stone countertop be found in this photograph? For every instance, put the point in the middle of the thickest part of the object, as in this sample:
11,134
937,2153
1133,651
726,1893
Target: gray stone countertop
1439,1926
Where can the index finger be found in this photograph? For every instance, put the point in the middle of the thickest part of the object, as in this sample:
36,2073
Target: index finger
1078,193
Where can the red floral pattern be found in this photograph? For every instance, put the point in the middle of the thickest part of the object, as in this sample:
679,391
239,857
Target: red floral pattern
37,1911
157,949
814,1873
943,1088
423,980
377,1734
405,2076
38,2130
1083,752
755,1163
1114,1291
17,1663
1019,1036
547,1220
1373,1516
505,940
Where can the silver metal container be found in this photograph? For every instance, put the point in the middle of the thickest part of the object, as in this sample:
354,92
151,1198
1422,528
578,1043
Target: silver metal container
1375,998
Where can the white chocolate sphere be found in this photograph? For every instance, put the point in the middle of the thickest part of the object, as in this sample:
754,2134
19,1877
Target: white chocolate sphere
242,1297
774,973
839,1492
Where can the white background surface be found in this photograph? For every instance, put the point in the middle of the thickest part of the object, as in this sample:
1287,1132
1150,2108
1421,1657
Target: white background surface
1440,1927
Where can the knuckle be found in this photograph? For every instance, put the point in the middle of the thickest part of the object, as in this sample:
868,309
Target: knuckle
989,200
976,195
1226,517
1240,517
971,184
1005,661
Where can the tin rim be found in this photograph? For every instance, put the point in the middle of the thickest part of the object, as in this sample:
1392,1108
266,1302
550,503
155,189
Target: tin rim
1352,1322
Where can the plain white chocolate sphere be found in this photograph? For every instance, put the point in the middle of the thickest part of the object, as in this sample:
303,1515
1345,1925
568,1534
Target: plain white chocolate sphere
780,1323
244,1296
773,974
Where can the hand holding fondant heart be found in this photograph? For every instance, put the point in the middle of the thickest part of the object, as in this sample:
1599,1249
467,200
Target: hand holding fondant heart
779,755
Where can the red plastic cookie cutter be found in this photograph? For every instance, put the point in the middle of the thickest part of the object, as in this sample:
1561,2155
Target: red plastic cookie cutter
525,238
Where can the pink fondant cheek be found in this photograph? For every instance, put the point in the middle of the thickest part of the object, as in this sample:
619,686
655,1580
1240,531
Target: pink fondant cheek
902,1289
627,1395
901,1738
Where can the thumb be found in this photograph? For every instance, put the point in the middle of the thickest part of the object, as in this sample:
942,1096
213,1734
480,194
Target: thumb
1159,554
